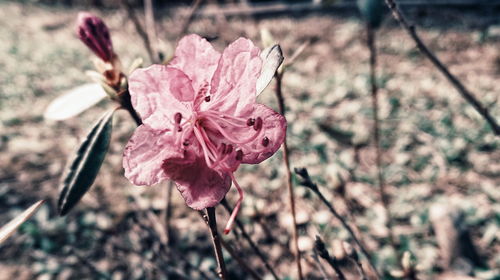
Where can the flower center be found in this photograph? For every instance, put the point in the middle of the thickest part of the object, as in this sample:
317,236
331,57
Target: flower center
221,137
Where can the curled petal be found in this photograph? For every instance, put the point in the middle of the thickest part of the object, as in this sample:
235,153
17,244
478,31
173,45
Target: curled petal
158,93
145,154
199,185
196,57
271,137
233,85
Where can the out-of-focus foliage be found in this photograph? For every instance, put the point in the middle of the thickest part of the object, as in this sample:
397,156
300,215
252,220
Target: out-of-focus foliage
437,150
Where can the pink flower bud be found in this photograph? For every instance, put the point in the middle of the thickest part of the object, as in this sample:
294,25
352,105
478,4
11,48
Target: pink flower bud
95,34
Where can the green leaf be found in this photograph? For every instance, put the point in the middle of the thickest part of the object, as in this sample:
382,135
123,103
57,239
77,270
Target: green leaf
74,102
7,230
272,58
372,11
86,164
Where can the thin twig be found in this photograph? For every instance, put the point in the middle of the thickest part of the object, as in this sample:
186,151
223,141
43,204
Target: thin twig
307,182
151,225
247,237
376,133
189,18
212,225
85,261
466,94
138,27
320,248
320,265
291,196
233,254
149,19
359,268
239,260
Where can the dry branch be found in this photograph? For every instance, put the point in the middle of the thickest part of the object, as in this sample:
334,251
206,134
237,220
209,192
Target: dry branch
291,196
466,94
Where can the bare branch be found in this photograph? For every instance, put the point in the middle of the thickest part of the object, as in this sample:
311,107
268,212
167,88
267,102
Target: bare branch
247,237
307,182
291,197
466,94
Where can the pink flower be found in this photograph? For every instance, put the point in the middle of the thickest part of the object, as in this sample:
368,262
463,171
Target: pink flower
94,33
201,121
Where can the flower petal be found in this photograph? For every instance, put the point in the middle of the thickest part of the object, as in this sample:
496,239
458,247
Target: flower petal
273,127
196,57
158,93
145,154
233,85
200,186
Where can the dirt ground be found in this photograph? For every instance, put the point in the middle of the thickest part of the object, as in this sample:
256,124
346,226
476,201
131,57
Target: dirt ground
440,159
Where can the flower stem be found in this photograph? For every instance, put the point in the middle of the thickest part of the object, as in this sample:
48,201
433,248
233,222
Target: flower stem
168,212
291,196
126,103
212,225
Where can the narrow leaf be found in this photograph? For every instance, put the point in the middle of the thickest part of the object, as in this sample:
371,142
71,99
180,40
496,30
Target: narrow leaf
7,230
86,164
272,58
74,102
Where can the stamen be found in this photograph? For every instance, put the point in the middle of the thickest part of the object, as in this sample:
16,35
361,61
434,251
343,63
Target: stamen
178,117
231,138
258,123
218,115
177,122
250,121
200,139
187,128
229,149
210,145
185,143
236,209
239,155
250,149
207,98
265,141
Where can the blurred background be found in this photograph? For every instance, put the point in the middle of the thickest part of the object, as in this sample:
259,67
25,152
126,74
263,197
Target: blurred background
441,160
